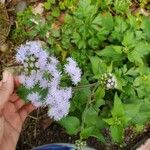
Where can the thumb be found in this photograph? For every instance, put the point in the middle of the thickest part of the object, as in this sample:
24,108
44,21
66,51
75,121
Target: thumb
6,88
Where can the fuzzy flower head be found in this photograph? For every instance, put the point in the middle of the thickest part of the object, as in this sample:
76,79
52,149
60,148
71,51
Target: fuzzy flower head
35,99
72,69
58,101
31,56
58,112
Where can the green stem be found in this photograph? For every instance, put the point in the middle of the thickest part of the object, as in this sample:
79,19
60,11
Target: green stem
84,86
86,107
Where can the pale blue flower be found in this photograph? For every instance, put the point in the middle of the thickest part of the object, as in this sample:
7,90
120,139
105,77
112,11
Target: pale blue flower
58,112
58,101
35,98
43,83
72,69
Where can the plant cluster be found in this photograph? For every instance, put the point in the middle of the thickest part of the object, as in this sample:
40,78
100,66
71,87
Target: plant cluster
111,44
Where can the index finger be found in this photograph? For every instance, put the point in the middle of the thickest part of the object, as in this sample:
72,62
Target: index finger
16,82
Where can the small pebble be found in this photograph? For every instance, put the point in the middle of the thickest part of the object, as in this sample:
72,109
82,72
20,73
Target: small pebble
4,47
21,6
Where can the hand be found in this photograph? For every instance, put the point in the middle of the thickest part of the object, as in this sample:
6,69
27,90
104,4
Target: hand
13,112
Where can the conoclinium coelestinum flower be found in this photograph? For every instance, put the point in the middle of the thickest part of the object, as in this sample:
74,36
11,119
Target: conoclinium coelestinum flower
41,70
72,69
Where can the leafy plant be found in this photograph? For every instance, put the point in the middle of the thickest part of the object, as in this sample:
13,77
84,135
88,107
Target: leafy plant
112,46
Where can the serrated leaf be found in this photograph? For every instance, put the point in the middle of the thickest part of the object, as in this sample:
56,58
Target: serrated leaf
98,66
81,95
97,20
86,132
129,38
118,110
100,93
109,121
91,116
107,21
56,12
97,134
71,124
131,110
111,52
145,26
116,133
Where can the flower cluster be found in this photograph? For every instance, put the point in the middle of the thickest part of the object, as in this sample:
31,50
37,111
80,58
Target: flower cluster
109,81
80,145
41,70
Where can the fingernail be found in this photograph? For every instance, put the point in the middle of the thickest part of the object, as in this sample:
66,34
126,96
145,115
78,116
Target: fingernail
5,76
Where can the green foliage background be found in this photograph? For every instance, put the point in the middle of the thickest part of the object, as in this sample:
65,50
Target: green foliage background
103,36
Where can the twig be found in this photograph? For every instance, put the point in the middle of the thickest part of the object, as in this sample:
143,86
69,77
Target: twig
32,117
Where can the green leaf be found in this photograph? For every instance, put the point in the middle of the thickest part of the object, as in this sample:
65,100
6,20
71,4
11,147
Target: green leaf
98,103
125,120
81,96
131,110
48,4
98,66
128,39
145,27
97,134
107,21
97,20
71,124
56,12
86,132
100,93
118,110
132,71
120,26
135,57
91,116
109,121
121,6
141,49
112,53
117,133
23,93
141,118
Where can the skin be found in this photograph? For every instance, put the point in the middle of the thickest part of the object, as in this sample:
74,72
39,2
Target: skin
13,112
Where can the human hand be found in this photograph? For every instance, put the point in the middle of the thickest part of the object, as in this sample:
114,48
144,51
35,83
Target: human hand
13,112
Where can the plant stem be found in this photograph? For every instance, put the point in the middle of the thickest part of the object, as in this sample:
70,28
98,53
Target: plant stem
87,106
84,86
